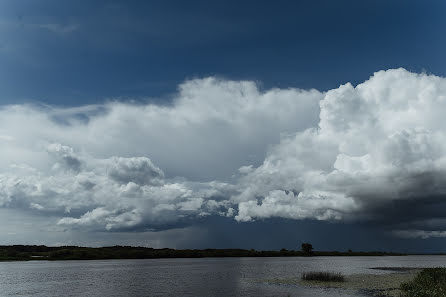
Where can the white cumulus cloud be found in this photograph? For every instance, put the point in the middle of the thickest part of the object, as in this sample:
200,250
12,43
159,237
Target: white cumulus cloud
379,149
128,165
375,151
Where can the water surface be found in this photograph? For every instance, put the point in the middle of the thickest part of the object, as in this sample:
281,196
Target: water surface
218,277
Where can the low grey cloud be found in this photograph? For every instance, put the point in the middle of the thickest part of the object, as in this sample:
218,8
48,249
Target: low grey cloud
423,234
113,193
59,28
374,152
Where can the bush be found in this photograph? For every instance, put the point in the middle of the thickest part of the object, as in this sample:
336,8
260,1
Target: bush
430,282
323,276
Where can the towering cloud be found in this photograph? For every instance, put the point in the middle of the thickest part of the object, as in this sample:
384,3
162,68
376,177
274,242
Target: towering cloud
376,152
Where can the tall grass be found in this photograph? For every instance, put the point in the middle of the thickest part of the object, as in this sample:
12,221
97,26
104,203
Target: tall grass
323,276
430,282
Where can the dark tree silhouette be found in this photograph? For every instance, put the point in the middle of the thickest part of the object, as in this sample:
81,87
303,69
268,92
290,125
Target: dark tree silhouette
307,249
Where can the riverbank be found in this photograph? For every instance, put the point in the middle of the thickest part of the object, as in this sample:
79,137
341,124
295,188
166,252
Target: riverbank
378,285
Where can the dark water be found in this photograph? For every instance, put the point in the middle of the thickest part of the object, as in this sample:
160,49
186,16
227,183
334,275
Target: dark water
187,277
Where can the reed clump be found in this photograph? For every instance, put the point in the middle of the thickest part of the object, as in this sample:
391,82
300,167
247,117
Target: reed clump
323,276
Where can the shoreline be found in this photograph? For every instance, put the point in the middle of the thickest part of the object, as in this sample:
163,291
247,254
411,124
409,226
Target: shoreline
181,257
34,252
387,284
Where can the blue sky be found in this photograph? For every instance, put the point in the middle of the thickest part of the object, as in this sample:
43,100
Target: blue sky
77,52
252,124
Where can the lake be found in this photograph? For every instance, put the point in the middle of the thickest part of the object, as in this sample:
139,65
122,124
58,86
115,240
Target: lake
203,277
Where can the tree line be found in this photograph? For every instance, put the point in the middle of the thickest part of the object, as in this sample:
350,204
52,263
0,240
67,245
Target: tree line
41,252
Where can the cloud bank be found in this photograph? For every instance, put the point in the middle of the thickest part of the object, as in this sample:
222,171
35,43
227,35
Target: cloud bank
374,152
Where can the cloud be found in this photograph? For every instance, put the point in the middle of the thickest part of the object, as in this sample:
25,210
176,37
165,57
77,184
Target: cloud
137,170
211,129
65,157
143,166
113,193
420,234
58,28
379,153
375,152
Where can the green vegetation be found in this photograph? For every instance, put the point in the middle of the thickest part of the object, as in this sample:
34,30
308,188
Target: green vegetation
323,276
41,252
430,282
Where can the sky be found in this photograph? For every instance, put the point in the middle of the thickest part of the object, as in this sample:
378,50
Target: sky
224,124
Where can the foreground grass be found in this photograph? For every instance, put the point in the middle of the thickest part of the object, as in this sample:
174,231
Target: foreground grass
323,276
430,282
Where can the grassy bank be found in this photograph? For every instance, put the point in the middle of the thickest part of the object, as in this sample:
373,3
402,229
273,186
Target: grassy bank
431,282
373,284
402,282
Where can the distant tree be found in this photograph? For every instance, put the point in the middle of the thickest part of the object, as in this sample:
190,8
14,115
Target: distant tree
307,249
